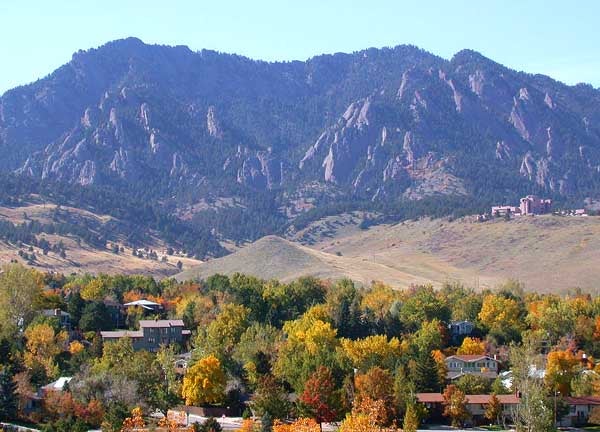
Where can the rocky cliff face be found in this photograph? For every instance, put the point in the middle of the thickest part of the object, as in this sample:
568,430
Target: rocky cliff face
377,124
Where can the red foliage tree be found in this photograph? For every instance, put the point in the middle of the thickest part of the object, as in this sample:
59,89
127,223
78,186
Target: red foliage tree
320,398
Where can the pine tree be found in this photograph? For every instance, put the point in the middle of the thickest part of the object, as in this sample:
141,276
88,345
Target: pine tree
426,374
8,398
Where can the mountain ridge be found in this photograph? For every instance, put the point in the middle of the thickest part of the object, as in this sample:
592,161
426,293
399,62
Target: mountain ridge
391,125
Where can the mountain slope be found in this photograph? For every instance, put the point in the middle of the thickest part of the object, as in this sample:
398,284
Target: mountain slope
378,126
546,253
275,258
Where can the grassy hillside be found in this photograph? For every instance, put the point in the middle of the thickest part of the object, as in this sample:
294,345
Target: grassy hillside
547,253
80,256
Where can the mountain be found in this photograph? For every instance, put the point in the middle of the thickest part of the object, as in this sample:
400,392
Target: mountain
244,147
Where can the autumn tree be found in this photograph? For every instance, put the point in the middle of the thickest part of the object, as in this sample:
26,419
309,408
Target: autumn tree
372,351
204,382
471,346
493,409
502,316
300,425
42,346
455,405
320,399
135,421
561,368
310,343
377,385
20,291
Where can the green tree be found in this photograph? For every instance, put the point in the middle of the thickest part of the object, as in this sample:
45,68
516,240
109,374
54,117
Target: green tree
8,396
95,317
211,425
426,375
270,397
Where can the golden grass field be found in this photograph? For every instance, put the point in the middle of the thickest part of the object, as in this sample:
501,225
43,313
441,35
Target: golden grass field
546,253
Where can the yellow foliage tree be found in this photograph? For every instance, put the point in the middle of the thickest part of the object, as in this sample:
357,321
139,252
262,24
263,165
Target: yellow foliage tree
372,351
42,347
471,346
95,290
76,347
561,368
500,314
204,382
300,425
379,300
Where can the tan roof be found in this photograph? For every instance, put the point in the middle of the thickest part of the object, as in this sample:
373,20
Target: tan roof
121,333
161,323
470,357
471,399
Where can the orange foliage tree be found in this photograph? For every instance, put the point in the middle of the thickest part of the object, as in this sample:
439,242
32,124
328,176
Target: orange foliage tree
300,425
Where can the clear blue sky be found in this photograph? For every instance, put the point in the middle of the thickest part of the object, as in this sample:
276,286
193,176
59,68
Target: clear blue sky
557,38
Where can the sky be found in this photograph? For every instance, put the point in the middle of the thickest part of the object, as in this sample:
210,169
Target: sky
557,38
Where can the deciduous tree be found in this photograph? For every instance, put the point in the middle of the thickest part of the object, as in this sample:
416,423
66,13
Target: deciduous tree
204,382
320,399
455,405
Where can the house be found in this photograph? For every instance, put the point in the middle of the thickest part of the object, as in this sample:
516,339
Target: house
481,365
152,334
461,328
476,405
64,318
579,410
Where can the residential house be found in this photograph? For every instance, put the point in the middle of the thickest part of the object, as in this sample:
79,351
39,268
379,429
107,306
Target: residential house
152,334
461,328
579,410
64,318
476,405
481,365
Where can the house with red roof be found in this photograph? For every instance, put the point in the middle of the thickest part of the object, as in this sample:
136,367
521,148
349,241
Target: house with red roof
476,405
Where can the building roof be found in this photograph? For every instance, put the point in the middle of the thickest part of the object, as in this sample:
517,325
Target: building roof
160,323
121,333
146,304
58,385
55,312
585,400
471,399
470,357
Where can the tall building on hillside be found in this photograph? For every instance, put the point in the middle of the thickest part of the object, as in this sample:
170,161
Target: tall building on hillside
533,205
